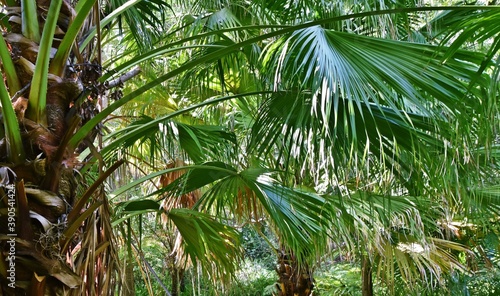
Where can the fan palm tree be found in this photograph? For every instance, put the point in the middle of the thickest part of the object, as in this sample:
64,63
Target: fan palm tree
51,61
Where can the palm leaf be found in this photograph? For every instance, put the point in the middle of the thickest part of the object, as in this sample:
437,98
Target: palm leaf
15,149
106,21
306,58
287,129
467,27
146,21
444,87
213,245
199,142
8,68
394,232
38,91
298,216
418,264
223,170
135,132
485,203
58,63
208,241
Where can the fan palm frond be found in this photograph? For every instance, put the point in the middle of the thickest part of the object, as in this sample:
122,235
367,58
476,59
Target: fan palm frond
286,130
213,244
208,242
146,20
253,194
359,69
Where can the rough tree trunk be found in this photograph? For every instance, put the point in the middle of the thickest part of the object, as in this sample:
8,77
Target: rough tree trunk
42,189
294,279
178,285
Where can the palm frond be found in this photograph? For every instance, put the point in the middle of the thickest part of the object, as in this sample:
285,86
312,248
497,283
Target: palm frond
419,264
108,19
30,26
132,133
485,203
97,261
398,235
333,65
8,68
146,20
361,96
212,244
468,27
443,87
58,63
198,142
215,246
287,130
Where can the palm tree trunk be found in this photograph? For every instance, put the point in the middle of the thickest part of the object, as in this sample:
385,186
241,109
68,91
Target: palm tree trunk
366,276
177,276
44,250
294,279
128,286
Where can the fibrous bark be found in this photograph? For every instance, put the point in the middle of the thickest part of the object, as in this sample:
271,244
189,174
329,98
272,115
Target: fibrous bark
295,279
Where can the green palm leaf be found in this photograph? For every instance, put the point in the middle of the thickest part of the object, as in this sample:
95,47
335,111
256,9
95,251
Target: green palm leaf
252,193
395,233
287,129
58,63
205,240
359,69
14,144
30,26
38,91
208,241
8,67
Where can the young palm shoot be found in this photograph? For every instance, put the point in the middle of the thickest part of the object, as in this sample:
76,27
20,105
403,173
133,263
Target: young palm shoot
59,61
30,26
8,68
38,93
15,151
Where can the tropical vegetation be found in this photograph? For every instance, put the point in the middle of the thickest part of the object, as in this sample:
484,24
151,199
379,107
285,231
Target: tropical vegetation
365,130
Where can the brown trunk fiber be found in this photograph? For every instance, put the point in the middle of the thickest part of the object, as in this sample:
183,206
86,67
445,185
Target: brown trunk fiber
366,276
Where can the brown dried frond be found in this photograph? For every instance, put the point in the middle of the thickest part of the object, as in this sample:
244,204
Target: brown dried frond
97,261
177,256
247,207
184,201
20,106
